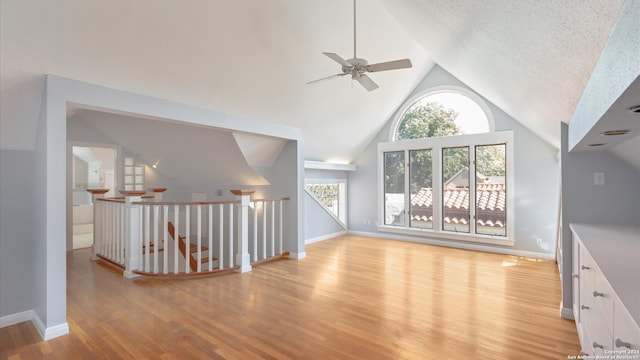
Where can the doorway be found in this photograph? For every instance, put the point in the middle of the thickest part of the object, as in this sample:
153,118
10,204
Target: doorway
92,167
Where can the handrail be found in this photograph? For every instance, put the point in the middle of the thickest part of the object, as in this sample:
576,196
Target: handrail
186,202
273,199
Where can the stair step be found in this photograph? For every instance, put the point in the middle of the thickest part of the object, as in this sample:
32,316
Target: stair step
204,259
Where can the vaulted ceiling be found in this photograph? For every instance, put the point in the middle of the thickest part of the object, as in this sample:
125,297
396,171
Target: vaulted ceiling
252,58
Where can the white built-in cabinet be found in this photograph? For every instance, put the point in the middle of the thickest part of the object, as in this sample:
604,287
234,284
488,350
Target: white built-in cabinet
606,289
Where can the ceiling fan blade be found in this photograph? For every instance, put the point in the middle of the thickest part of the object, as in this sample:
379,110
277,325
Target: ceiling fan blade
390,65
338,59
366,82
326,78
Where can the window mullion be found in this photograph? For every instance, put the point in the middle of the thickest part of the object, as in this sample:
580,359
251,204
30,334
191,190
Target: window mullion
407,188
436,155
472,189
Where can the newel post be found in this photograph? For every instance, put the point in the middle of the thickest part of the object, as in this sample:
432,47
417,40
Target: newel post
98,221
242,256
133,232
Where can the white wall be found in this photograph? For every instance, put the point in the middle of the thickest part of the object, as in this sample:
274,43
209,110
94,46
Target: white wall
536,182
18,169
319,224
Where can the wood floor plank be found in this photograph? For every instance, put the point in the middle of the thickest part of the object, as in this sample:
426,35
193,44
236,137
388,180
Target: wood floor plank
351,298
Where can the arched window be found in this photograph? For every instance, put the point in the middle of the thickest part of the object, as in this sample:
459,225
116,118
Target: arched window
446,172
442,111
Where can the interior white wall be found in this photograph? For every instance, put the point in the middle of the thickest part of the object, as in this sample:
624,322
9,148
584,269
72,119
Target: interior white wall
536,183
17,208
287,179
318,223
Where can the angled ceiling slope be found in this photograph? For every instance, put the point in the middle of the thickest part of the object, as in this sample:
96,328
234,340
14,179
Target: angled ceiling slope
190,155
532,59
247,58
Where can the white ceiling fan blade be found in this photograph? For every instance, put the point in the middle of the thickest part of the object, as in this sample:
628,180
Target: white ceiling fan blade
338,59
326,78
390,65
366,82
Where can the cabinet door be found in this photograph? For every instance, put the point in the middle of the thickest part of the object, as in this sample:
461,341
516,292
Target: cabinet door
587,270
626,334
601,340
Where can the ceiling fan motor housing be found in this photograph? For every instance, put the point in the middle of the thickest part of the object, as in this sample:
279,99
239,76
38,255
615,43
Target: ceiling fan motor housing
358,66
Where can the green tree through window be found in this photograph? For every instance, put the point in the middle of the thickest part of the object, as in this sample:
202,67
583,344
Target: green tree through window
427,120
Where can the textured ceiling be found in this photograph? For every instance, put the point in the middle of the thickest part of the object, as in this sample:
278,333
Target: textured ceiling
252,58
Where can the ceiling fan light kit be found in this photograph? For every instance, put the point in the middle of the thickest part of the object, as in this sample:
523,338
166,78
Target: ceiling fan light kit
358,68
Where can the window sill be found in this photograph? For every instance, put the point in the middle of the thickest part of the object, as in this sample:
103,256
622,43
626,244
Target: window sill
481,239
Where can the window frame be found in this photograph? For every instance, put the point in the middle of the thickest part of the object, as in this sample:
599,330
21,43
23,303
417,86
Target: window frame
342,217
437,144
438,90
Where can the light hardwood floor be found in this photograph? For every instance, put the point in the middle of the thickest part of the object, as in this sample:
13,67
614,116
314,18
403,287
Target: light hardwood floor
351,298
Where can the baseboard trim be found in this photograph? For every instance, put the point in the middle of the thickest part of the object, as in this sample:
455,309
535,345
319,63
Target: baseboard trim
324,237
17,318
566,313
458,245
46,333
297,255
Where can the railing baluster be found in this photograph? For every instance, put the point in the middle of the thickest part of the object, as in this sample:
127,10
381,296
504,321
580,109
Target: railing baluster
116,232
120,227
210,251
147,243
221,236
280,229
165,240
230,235
255,231
273,228
176,213
187,240
156,244
264,230
199,239
123,238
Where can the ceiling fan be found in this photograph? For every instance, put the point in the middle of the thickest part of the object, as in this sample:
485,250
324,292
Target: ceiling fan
358,68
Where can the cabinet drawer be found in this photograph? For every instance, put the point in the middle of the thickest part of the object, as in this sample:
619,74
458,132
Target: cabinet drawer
626,334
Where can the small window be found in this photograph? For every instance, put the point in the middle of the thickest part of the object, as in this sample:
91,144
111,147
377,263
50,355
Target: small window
331,194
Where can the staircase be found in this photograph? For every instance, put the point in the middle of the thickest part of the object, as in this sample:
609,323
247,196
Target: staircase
194,251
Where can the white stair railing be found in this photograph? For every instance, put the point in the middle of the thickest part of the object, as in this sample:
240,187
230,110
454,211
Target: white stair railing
158,238
266,228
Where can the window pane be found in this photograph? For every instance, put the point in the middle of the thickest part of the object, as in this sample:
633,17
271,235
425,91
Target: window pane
421,183
491,190
455,183
328,194
394,188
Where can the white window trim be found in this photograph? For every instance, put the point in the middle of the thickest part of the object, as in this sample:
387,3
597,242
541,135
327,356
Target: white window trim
342,197
437,143
437,90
